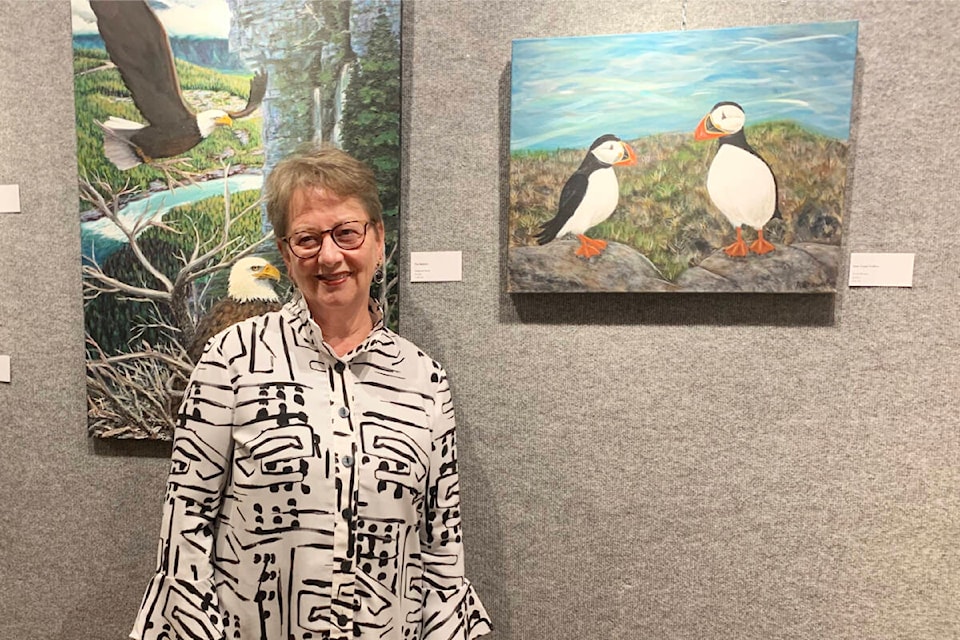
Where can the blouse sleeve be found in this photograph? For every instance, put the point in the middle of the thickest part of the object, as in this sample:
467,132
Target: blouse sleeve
181,599
451,607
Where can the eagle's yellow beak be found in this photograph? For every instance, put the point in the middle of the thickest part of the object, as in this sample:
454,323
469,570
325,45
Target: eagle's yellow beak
268,271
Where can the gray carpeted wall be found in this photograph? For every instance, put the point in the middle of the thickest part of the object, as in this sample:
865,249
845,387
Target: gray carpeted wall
634,466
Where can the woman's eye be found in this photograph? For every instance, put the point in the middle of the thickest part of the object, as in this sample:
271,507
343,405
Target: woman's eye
305,241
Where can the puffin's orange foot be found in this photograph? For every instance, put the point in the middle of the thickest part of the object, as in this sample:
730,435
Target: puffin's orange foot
736,250
589,247
761,246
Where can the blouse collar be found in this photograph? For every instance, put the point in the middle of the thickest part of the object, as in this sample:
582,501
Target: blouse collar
309,329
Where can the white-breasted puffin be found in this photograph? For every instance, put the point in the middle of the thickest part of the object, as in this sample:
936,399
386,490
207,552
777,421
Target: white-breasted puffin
740,182
590,195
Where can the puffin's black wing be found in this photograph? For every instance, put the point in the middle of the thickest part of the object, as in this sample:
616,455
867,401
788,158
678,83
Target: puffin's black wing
138,45
570,199
258,89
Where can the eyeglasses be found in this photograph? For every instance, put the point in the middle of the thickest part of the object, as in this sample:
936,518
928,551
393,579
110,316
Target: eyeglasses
346,235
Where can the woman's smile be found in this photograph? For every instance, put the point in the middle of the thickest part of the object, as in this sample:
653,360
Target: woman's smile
334,279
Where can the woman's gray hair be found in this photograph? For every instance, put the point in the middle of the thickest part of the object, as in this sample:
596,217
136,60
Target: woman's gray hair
312,167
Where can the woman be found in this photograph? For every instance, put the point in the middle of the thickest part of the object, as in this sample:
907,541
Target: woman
313,491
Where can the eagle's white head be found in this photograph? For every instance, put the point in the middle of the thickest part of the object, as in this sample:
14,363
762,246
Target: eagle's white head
210,119
249,280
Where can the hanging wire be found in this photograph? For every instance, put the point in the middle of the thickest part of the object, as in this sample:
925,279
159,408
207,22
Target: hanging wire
683,15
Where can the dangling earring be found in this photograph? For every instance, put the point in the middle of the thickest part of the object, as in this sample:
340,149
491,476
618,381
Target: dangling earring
378,275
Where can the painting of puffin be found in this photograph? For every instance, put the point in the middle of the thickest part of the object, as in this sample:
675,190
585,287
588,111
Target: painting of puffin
741,184
139,47
249,293
590,195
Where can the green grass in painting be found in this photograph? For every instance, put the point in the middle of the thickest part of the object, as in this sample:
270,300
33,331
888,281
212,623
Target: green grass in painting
665,212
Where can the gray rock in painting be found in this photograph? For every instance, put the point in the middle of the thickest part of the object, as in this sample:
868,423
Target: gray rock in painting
798,268
555,268
805,267
362,17
304,47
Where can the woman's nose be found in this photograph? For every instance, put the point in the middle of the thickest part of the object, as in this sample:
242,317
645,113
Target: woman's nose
329,251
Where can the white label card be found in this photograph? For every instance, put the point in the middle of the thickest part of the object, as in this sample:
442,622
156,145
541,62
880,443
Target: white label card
9,198
881,269
4,368
436,266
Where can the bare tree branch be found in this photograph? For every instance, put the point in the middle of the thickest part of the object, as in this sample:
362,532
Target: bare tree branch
108,284
111,212
126,392
138,355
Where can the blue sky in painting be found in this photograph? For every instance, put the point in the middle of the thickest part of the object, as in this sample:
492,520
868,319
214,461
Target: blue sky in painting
197,18
568,91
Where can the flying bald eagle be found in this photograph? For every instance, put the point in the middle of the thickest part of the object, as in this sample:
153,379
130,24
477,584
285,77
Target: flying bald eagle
139,47
249,293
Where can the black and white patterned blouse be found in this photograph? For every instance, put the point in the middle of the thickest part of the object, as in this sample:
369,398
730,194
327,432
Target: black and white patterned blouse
312,496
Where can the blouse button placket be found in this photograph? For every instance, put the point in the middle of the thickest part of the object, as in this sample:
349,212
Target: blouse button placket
344,449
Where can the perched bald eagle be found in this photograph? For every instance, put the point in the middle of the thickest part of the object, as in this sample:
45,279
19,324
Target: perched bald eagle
249,293
139,47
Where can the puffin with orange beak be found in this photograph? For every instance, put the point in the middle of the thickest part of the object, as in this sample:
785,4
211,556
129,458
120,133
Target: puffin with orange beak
740,182
590,195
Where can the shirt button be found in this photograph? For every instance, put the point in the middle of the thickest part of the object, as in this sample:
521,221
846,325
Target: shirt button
339,367
343,412
347,461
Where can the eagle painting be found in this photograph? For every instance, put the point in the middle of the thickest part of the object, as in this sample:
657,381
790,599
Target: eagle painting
139,47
